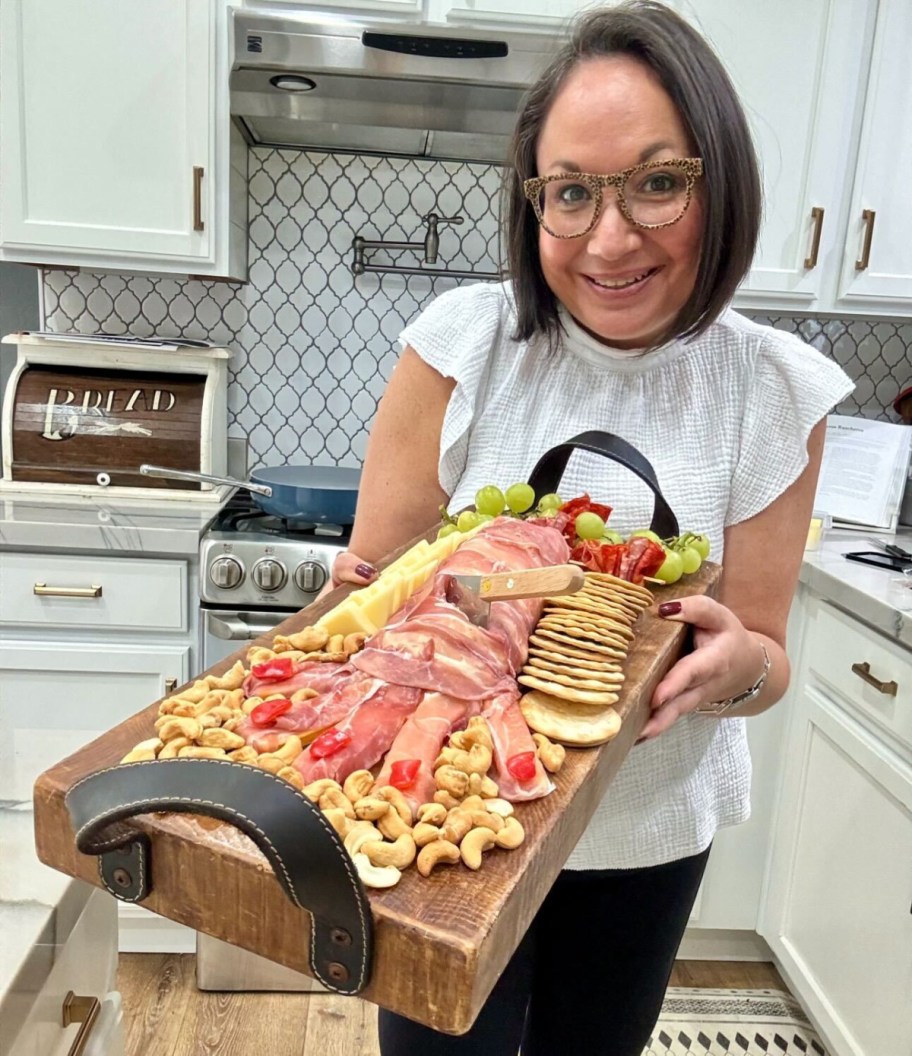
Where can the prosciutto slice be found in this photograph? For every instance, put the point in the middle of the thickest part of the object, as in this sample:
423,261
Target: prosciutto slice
512,737
421,738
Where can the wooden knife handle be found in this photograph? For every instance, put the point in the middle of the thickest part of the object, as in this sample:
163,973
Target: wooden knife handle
532,583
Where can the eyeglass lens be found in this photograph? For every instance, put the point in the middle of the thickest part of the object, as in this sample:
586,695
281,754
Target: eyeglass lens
652,196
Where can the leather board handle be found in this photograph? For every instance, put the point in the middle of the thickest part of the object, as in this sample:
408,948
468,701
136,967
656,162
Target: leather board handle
532,583
306,855
548,471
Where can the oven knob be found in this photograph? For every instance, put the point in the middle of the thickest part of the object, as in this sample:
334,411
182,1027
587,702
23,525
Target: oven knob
269,575
226,572
309,576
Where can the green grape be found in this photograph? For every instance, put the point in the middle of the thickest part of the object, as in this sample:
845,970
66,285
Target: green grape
589,525
612,537
551,501
700,543
647,533
691,559
447,529
483,518
490,499
467,520
519,497
672,567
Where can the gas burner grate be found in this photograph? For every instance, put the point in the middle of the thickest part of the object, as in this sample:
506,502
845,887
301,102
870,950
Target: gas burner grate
243,516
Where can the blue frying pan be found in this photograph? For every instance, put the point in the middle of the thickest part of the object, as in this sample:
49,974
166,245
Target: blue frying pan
318,494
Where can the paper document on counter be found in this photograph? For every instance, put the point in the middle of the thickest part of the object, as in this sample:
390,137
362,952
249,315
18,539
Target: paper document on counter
864,471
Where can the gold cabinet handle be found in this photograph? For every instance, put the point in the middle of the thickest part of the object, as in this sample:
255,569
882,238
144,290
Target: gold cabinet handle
863,671
44,591
810,261
198,224
170,685
867,216
83,1010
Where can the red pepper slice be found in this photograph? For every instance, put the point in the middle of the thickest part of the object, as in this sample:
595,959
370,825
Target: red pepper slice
404,772
274,670
329,743
265,714
522,766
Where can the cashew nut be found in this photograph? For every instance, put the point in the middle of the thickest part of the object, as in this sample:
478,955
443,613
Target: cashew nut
335,797
316,788
247,754
170,748
358,784
256,654
551,755
304,693
483,819
457,825
219,738
392,826
449,779
370,808
231,679
475,802
477,732
250,703
397,801
290,749
437,853
339,821
354,642
271,762
194,751
423,833
375,875
401,853
359,833
511,835
292,776
474,845
502,807
489,789
432,813
446,800
143,751
171,726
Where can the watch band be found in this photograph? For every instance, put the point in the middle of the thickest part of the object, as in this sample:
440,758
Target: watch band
719,707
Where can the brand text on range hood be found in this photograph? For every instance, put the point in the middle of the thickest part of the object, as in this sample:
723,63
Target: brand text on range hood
329,82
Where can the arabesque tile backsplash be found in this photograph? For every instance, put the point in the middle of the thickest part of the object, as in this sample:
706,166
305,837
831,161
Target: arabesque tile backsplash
314,344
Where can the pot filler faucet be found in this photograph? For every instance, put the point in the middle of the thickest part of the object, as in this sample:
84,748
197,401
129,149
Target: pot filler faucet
431,244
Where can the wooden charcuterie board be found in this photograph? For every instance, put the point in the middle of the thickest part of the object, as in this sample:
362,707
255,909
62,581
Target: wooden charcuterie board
440,942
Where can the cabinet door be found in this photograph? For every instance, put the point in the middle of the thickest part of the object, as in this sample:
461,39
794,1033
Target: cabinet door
486,12
105,127
843,885
877,267
797,68
58,696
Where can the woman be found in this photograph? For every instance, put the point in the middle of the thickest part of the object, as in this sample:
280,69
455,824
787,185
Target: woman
616,319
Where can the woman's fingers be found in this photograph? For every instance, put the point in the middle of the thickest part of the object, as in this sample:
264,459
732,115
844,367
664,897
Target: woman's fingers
349,568
699,610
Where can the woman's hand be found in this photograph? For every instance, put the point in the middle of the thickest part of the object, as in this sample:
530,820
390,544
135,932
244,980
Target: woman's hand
349,568
726,659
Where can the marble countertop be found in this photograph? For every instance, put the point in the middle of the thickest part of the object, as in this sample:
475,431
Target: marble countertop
879,596
65,523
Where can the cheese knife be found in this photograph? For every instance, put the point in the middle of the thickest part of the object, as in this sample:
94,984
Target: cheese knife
472,594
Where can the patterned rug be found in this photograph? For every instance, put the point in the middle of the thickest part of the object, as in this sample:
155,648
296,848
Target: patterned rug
732,1023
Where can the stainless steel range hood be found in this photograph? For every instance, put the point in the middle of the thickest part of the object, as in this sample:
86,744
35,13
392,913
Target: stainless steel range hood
340,83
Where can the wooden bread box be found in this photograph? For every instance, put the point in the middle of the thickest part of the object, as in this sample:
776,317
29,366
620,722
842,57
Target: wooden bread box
439,943
81,415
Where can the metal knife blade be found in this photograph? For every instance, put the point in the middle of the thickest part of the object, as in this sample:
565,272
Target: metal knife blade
472,593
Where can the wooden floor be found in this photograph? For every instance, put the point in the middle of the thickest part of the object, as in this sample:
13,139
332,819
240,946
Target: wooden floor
165,1015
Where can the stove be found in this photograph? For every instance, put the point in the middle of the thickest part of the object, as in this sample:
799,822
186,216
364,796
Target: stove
256,569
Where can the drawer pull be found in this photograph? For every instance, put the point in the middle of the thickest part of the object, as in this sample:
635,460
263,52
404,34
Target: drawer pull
170,685
817,219
867,217
44,591
864,673
83,1010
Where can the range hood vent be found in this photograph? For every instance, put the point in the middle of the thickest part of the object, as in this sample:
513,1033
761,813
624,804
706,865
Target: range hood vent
341,84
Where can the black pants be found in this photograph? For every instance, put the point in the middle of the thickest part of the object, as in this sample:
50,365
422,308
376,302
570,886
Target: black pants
589,977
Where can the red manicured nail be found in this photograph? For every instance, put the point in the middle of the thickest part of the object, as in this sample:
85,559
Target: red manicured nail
367,572
669,608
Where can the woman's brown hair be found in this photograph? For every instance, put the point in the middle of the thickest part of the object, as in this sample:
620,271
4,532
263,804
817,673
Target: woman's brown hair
697,83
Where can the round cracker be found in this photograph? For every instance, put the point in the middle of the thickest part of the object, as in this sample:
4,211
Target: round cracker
577,725
617,600
547,638
575,651
580,629
579,696
598,603
550,656
636,590
582,605
596,680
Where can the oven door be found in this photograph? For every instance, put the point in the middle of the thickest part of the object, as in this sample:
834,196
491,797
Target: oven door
226,630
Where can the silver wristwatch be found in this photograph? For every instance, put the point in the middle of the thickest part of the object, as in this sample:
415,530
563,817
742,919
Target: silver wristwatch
718,707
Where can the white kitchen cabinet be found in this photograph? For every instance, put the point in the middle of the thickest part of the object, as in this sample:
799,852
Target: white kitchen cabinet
838,893
116,149
380,7
537,13
877,260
